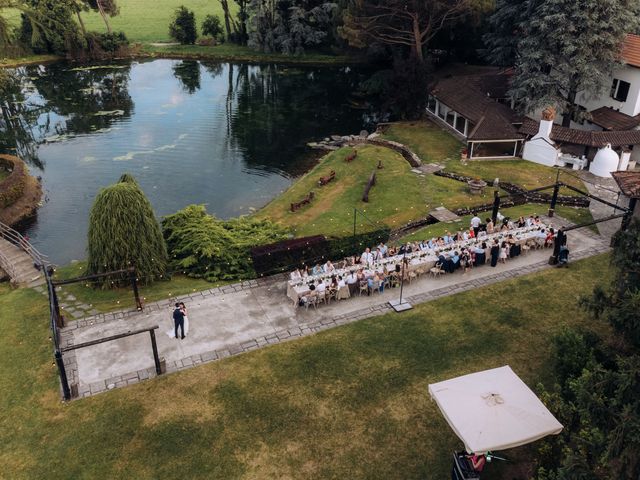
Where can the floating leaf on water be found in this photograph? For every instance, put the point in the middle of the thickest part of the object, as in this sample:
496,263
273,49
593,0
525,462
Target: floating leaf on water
114,113
97,67
165,147
183,136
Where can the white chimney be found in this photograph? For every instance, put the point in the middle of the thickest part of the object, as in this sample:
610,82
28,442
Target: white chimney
546,124
624,160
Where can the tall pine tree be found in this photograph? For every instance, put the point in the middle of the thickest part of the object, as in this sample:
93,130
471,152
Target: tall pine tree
561,47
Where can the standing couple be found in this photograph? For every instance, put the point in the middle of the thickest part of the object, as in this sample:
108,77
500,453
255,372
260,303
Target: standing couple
180,320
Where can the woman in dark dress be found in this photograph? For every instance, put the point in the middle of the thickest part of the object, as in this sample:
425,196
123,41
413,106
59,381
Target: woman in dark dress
495,253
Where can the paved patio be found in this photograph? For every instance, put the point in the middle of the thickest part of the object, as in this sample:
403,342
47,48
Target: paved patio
238,318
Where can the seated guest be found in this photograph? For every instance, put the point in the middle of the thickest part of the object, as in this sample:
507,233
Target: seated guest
328,267
393,251
381,279
536,220
317,270
321,288
548,241
472,233
383,249
465,260
377,255
530,221
482,234
360,275
367,257
446,238
489,225
334,283
432,243
305,271
423,245
505,225
465,235
296,275
341,282
521,222
514,248
455,258
440,242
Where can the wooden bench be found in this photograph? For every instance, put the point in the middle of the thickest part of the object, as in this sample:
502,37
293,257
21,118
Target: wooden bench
351,157
305,201
327,179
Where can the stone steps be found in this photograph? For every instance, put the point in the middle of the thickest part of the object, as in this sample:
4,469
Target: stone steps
23,269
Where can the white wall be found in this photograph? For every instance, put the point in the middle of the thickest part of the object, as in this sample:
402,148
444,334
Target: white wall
630,107
540,151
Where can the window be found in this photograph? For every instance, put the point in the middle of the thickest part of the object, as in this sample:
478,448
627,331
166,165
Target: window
620,90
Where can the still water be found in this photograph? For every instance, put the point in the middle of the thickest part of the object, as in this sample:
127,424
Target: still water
231,136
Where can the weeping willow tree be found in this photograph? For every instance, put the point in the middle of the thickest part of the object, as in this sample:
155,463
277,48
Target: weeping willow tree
123,233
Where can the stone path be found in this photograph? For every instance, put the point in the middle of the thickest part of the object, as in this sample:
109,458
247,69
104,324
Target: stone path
607,189
242,317
444,215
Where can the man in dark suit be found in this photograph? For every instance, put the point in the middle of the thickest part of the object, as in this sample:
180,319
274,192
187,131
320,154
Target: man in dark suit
178,320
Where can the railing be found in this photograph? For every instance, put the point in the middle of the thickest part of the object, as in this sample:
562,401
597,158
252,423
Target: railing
19,241
8,267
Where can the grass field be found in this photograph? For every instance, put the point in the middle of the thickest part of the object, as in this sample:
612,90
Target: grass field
350,402
148,20
434,144
398,197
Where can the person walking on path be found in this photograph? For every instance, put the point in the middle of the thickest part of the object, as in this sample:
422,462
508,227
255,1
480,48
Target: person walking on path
178,320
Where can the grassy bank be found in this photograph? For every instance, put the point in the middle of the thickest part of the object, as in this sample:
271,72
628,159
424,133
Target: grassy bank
351,402
434,144
398,197
27,60
231,52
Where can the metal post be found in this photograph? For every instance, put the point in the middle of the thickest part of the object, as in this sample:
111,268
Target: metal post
66,393
355,247
496,206
399,305
56,305
134,285
554,198
154,346
626,220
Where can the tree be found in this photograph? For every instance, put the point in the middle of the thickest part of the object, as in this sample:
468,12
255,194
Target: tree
27,11
105,7
212,26
183,27
288,27
227,17
123,233
48,26
561,48
404,23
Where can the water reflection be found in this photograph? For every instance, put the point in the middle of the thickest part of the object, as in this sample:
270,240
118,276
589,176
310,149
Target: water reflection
228,135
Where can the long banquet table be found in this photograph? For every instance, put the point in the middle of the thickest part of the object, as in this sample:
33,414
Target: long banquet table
423,259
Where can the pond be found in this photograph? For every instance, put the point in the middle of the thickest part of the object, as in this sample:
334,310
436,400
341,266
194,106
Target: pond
231,136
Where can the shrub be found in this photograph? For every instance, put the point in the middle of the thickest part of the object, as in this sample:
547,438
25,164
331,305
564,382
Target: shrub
206,247
212,26
123,232
12,187
112,42
183,27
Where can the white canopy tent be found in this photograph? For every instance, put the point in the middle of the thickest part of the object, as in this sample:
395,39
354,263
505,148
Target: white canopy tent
493,410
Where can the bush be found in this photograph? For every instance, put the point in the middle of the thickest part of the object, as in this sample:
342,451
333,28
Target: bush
112,42
206,247
12,187
212,26
183,27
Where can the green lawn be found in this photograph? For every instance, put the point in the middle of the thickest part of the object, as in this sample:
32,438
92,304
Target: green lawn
350,402
575,215
398,197
434,144
122,298
148,20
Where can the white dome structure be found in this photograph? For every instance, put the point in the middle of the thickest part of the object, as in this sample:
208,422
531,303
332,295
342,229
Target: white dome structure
605,162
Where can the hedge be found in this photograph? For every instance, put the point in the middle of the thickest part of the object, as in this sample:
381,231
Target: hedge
12,187
291,254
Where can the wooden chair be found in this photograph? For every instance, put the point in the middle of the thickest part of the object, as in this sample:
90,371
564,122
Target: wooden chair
375,287
437,269
312,300
363,287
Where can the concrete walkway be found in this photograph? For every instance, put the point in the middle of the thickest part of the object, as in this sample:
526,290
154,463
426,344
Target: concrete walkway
607,189
238,318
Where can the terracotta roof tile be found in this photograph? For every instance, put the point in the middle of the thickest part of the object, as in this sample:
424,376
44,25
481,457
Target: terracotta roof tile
562,134
629,183
610,119
631,50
